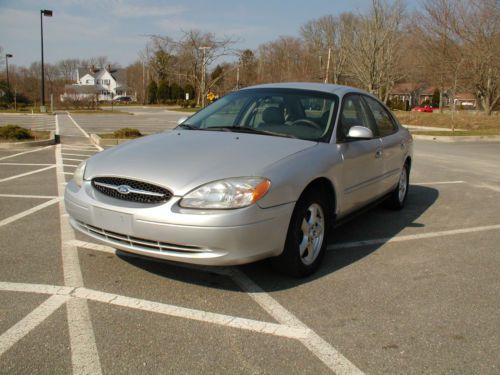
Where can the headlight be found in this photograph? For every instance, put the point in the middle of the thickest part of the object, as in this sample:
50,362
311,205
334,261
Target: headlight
79,172
225,194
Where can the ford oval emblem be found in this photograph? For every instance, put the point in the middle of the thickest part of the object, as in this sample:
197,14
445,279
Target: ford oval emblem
123,189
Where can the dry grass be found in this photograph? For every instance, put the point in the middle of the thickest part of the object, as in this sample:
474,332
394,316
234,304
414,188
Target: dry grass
460,120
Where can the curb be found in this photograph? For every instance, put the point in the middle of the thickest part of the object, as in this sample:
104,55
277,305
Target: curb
95,139
27,144
460,138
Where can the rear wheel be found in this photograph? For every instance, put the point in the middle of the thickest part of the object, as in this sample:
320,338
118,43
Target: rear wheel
307,236
398,196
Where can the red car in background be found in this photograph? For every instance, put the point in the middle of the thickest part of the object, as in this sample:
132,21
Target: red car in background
423,109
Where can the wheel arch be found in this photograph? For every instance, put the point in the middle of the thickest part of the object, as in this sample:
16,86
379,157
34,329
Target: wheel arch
325,186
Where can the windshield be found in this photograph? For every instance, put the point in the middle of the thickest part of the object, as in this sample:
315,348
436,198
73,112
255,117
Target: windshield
277,112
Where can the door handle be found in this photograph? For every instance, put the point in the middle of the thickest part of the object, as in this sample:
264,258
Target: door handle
378,154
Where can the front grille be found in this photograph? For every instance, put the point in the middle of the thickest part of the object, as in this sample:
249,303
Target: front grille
134,242
131,190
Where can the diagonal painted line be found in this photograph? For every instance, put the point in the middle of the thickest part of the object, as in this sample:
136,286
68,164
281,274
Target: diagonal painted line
330,356
27,173
9,338
78,126
35,288
84,132
192,314
412,237
91,246
25,152
26,164
20,215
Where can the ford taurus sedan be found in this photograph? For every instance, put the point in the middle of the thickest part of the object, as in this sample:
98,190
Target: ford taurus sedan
261,173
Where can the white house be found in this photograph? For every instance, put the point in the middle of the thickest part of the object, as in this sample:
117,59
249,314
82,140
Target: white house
102,84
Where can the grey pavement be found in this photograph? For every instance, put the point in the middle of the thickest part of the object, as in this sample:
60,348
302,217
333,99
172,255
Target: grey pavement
420,296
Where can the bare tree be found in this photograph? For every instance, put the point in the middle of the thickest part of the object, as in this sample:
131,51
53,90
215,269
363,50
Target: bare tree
374,53
283,60
67,69
477,25
327,39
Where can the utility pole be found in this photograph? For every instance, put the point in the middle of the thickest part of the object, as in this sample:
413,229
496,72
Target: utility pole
328,64
203,75
143,84
238,77
7,56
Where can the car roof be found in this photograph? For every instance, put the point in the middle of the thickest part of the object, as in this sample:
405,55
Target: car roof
322,87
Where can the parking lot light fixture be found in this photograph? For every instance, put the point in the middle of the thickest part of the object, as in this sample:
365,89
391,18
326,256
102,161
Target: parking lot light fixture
46,13
7,57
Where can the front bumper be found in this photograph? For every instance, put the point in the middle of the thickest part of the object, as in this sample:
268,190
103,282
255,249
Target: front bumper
167,231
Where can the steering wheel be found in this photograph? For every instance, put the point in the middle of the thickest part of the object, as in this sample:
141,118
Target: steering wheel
310,123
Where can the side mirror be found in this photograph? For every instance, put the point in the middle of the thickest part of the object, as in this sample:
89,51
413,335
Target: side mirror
182,119
359,132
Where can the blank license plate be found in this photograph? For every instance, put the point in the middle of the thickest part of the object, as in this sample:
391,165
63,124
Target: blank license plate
112,220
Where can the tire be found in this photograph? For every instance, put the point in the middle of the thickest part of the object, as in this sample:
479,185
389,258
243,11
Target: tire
307,236
398,196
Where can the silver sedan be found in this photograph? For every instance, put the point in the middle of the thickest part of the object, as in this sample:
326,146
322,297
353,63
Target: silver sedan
262,172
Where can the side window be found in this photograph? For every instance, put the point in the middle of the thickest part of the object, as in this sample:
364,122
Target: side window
385,124
353,113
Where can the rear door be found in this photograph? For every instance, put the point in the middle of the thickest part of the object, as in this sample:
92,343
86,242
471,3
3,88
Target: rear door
392,144
362,165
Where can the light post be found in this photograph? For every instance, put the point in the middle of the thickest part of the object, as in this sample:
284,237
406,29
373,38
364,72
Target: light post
7,57
46,13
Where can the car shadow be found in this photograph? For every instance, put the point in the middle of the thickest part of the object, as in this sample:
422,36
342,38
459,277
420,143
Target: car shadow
376,223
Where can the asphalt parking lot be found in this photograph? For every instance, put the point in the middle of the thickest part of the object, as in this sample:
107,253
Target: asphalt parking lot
413,292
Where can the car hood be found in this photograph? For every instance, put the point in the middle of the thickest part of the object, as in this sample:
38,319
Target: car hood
182,160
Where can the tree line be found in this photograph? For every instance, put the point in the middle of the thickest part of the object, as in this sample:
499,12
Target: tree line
452,46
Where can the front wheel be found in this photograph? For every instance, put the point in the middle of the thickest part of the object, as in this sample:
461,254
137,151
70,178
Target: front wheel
307,236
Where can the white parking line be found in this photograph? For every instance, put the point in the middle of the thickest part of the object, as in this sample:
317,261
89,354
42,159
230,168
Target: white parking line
27,196
35,288
69,165
74,159
192,314
80,148
84,354
411,237
487,186
290,324
78,126
27,173
438,183
312,341
29,164
30,321
23,153
86,156
91,246
20,215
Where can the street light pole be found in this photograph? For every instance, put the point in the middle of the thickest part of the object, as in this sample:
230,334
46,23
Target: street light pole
46,13
7,56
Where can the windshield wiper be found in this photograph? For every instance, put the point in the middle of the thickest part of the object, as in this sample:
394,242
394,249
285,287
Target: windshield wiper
187,126
240,129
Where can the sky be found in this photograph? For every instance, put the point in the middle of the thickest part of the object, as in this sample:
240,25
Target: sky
119,29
